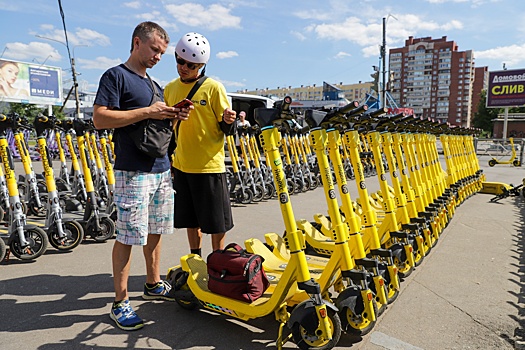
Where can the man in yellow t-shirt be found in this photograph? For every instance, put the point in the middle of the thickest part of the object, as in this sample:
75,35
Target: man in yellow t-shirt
202,202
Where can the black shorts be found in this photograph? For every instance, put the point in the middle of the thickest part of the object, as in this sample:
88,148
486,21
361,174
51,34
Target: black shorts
202,200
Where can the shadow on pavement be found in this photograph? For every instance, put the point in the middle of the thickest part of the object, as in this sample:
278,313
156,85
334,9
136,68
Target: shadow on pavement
77,308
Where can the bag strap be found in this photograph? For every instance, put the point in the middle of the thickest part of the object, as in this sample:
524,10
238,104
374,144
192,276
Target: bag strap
234,246
190,95
155,91
196,87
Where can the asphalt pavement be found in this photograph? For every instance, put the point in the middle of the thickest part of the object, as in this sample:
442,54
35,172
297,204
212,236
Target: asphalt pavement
467,293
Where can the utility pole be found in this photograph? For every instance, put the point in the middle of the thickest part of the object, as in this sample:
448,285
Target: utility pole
75,84
73,72
383,64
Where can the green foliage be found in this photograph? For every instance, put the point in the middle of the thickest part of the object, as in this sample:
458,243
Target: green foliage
30,110
484,116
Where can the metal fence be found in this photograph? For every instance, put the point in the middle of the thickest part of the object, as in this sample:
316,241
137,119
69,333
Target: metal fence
498,148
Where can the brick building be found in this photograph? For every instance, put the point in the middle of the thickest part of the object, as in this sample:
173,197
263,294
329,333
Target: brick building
437,80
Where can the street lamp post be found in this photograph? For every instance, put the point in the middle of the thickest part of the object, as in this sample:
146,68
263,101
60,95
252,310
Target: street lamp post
73,71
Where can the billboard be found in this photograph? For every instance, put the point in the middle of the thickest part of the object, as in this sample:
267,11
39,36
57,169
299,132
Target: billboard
30,83
506,88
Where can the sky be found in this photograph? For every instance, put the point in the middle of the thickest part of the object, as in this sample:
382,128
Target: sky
259,44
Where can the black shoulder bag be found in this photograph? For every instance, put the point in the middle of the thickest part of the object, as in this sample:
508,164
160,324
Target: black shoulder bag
152,136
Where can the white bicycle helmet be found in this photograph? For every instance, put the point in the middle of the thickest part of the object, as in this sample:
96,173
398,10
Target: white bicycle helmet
193,47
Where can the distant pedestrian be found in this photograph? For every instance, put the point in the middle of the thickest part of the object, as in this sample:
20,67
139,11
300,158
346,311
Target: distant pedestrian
242,128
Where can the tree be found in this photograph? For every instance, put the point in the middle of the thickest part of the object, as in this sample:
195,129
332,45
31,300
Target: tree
484,117
30,110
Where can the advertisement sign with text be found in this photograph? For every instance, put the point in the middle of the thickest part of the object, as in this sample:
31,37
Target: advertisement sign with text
506,88
30,83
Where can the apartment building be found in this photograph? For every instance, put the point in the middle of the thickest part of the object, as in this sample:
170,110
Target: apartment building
436,80
314,92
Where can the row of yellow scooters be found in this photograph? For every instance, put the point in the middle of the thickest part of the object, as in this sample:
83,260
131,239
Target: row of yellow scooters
362,249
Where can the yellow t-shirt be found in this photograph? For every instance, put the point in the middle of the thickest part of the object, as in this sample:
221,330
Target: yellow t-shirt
200,140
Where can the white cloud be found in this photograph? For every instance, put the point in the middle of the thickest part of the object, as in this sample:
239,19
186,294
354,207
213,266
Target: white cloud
132,4
474,2
226,54
47,27
88,36
511,55
81,36
100,62
213,17
342,54
300,36
34,50
370,51
313,14
357,30
158,18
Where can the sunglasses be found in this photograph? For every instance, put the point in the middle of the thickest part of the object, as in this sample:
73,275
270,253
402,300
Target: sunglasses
182,62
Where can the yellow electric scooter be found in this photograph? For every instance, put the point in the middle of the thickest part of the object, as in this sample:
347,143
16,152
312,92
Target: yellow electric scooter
64,234
512,159
314,323
355,300
26,242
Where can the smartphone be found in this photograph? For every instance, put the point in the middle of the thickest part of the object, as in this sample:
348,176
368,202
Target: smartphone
184,104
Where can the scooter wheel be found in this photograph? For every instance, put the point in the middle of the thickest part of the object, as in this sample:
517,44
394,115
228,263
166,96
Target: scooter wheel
358,322
35,210
38,243
177,279
107,230
306,185
492,162
244,197
516,163
23,204
314,183
270,191
22,189
74,235
259,193
391,292
291,186
3,250
400,260
62,185
308,340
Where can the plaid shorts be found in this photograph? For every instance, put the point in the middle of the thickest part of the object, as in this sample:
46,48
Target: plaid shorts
144,205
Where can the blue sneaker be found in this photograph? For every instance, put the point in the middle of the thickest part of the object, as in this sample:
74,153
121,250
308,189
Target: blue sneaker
159,292
125,317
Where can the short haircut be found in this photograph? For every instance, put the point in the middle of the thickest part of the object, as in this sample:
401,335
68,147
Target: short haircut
145,30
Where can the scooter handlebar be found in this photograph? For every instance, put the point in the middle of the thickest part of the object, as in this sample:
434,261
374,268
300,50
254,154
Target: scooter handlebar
341,111
269,116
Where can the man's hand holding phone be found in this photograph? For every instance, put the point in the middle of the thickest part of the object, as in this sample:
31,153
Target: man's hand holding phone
184,106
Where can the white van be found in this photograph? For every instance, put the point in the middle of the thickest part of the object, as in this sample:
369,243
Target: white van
247,103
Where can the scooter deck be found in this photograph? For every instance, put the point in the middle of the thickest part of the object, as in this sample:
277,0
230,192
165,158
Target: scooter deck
272,263
199,272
